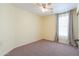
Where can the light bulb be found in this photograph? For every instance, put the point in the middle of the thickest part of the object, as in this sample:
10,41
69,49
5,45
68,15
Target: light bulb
44,9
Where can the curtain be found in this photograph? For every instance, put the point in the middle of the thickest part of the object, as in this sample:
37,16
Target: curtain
56,36
71,29
78,27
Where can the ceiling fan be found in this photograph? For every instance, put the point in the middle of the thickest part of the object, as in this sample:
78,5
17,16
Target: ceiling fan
44,7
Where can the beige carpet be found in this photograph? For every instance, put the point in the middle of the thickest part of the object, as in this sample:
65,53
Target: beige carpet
44,48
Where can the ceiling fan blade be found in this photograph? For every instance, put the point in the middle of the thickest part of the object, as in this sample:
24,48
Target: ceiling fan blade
37,5
50,10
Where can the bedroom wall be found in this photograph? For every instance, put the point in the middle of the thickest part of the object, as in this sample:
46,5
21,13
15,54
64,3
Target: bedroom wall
28,27
7,28
49,29
17,27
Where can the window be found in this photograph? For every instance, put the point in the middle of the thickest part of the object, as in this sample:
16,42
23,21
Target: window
63,27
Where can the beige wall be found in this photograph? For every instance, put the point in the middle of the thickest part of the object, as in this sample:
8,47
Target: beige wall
7,28
28,27
49,29
17,27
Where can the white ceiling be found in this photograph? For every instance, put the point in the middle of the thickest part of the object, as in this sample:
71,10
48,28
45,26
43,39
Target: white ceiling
57,8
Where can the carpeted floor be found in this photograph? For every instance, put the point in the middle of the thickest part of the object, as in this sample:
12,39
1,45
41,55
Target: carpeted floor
44,48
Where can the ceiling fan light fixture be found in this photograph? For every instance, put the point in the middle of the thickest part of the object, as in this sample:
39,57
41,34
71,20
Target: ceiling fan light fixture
44,7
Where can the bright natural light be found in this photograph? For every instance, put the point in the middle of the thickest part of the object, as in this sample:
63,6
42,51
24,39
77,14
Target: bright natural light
63,28
63,24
